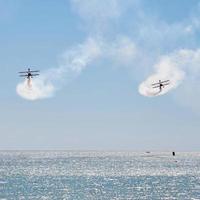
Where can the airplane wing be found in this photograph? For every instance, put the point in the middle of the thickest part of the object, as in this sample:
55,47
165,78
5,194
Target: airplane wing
160,82
22,72
34,74
164,81
156,86
23,75
35,71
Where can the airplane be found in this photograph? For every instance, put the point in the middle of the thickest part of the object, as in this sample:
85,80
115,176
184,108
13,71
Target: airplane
161,84
29,73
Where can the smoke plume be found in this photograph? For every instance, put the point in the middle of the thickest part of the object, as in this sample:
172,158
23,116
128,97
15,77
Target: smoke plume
72,64
36,90
174,67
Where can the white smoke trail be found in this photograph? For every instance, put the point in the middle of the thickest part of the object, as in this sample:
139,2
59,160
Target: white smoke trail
173,67
37,90
98,17
73,62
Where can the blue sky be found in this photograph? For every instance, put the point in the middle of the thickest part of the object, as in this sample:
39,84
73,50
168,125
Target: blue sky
101,107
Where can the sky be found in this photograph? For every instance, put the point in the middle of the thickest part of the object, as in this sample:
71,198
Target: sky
95,56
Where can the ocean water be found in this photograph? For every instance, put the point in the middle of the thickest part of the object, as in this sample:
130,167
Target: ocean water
90,175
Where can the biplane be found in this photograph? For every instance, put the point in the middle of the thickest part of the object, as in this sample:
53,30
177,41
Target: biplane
29,73
161,84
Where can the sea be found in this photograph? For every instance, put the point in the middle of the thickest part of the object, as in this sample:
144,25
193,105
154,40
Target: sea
99,175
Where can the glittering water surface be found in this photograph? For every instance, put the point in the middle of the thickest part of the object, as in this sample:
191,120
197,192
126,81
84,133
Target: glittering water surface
99,175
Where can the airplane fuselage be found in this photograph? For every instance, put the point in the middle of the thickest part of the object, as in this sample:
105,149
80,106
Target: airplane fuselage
29,75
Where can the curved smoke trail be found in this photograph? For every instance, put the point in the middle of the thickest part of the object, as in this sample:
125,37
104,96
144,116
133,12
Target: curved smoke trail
97,24
73,62
173,67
